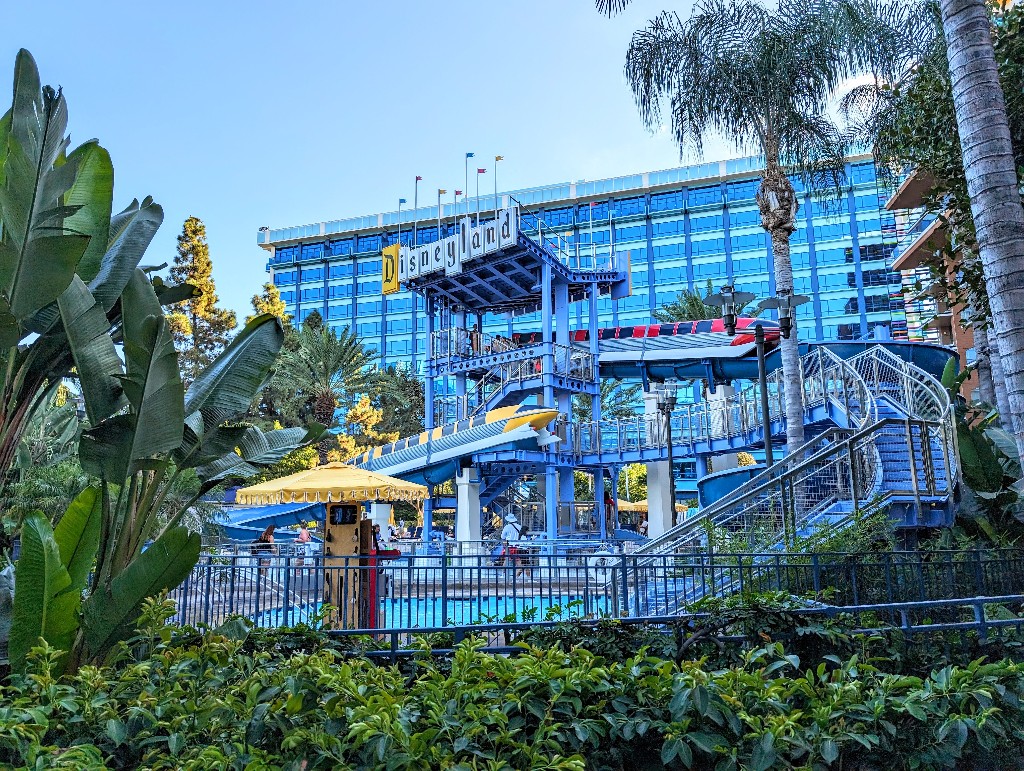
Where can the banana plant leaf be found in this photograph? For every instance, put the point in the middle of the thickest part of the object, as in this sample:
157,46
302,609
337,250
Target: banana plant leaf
38,256
124,444
257,448
45,602
78,536
130,234
224,390
110,613
96,361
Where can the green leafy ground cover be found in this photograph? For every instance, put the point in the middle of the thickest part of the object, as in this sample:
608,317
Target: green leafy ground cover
605,698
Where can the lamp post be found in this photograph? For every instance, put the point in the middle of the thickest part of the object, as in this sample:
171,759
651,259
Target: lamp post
729,301
762,381
786,305
666,404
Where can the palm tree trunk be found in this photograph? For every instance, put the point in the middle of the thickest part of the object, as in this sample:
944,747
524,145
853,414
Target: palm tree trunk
1002,400
323,413
993,188
778,203
986,384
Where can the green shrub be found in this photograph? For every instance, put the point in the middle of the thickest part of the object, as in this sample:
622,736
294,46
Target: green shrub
240,699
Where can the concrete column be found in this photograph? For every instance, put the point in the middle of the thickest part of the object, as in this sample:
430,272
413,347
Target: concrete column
467,511
721,422
659,495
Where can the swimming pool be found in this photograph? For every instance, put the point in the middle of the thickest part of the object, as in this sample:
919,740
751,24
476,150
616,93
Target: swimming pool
431,612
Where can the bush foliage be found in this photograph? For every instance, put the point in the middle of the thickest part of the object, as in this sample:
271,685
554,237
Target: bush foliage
239,699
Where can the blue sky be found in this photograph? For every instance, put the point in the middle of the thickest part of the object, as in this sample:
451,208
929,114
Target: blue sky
267,113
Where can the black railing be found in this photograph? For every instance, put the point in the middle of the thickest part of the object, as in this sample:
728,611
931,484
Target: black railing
451,592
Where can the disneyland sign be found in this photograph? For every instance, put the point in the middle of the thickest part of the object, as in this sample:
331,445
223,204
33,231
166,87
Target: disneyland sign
449,254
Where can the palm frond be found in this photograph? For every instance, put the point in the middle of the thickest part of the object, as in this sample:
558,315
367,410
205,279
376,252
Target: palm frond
610,7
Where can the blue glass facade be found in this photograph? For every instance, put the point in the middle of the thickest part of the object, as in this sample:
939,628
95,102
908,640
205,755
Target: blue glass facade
680,228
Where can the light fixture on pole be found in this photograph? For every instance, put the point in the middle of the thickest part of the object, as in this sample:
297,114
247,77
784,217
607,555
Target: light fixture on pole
666,405
786,304
729,301
762,381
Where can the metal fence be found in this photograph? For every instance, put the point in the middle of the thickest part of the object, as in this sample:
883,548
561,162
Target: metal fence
421,591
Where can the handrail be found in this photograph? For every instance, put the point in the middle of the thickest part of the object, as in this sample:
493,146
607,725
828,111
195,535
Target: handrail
878,374
825,377
568,254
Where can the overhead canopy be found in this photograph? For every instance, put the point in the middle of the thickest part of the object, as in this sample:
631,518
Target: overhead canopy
332,483
643,506
622,505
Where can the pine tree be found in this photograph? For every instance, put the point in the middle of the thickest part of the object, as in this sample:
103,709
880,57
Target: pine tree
269,301
201,329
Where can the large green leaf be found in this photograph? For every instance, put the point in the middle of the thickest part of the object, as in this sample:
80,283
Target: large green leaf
78,535
92,194
121,445
225,389
38,256
130,234
96,360
111,612
45,603
256,448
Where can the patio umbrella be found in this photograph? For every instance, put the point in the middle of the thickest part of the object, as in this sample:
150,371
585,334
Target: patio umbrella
331,483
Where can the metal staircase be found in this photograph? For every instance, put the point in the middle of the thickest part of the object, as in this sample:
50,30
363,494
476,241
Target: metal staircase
895,443
892,449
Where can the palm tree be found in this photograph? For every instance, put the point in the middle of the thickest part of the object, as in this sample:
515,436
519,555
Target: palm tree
690,306
323,368
947,46
763,78
992,185
618,400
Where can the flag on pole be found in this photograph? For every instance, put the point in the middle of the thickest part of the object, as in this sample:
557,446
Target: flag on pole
499,158
419,178
441,192
471,155
402,200
481,171
458,192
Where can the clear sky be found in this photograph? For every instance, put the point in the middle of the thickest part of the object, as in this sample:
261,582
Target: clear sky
283,113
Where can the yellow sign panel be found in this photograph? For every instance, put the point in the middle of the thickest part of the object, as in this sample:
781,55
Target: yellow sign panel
390,268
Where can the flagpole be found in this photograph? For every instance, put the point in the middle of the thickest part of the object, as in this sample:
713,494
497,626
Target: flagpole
465,197
440,192
496,159
416,209
399,241
478,196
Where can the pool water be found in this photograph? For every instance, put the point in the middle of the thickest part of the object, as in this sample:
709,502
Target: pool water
429,612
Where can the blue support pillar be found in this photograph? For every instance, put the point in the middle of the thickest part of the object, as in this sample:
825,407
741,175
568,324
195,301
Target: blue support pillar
566,486
428,382
429,418
547,374
459,320
599,507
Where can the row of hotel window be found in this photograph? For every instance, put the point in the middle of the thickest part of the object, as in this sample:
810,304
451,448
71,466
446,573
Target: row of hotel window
623,207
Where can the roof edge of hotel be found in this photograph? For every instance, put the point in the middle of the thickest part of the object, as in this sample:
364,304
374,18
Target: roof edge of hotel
722,176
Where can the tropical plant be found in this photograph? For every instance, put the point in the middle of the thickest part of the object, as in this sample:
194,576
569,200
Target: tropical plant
50,437
200,328
763,78
46,488
123,531
65,259
915,118
690,306
325,367
397,392
633,482
618,400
